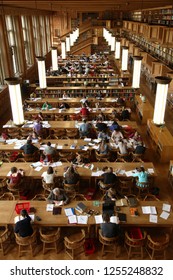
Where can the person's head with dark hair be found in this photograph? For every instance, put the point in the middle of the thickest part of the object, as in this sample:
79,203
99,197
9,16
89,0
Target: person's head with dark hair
23,213
29,141
110,170
48,143
142,169
50,170
13,169
106,217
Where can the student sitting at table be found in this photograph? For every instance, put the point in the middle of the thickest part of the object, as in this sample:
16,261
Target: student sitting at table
46,106
64,106
29,148
84,112
23,227
142,176
80,159
65,95
101,117
57,195
71,175
15,178
108,178
85,129
103,147
116,135
39,116
49,151
38,127
114,126
109,229
34,137
100,125
48,176
122,147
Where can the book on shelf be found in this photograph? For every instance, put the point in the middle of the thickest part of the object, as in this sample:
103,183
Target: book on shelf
81,207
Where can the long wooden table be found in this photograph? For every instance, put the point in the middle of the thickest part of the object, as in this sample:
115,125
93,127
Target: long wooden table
55,102
69,124
84,172
8,214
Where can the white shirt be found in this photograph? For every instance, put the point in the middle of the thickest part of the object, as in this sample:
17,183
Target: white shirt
48,178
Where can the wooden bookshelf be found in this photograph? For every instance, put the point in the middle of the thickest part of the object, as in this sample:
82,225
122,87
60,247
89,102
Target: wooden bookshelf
144,110
162,141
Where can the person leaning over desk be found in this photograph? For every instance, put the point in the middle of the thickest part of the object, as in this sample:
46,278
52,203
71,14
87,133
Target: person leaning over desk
109,229
23,227
57,195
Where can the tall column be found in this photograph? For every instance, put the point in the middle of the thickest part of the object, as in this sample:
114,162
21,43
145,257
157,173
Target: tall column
41,71
161,97
117,49
136,71
63,50
54,58
16,100
124,62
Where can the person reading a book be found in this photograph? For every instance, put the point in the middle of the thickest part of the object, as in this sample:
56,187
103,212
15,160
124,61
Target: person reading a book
109,229
48,176
142,176
15,177
109,178
71,175
103,148
58,195
23,227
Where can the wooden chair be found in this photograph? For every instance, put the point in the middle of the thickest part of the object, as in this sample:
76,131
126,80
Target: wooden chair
79,197
109,244
26,244
137,157
66,156
71,189
74,244
122,157
40,197
72,133
151,197
156,246
125,186
7,196
30,157
143,189
5,238
50,238
134,246
102,157
47,187
14,190
106,187
57,133
3,185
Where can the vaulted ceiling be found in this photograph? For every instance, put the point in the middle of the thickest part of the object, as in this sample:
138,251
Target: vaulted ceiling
88,5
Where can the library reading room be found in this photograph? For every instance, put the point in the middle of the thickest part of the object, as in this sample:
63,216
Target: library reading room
86,130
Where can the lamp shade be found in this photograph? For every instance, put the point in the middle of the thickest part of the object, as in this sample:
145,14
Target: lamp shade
117,50
41,71
136,71
124,62
16,100
54,58
161,97
63,50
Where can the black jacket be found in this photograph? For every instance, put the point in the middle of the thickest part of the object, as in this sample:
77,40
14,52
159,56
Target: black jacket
23,227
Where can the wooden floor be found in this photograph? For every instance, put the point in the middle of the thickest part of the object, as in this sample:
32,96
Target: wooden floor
161,182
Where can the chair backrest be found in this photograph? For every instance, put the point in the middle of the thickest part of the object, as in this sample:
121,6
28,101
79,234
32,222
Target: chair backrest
77,242
158,245
40,197
150,197
107,240
26,240
49,236
7,196
135,242
47,187
29,157
79,197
